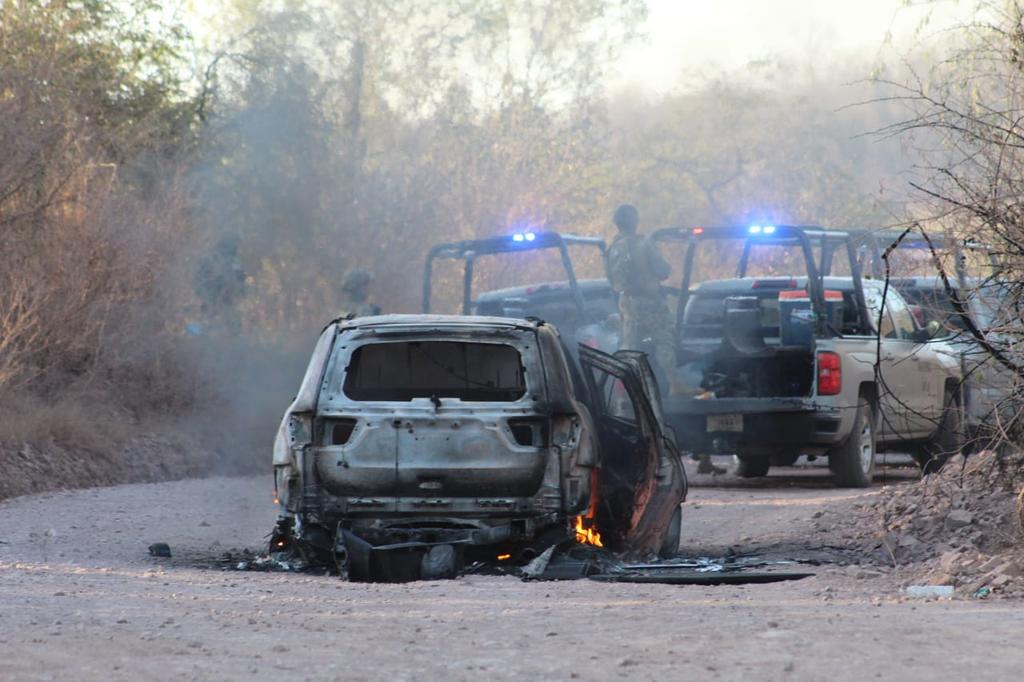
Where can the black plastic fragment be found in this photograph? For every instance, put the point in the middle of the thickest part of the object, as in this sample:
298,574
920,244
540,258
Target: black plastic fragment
717,578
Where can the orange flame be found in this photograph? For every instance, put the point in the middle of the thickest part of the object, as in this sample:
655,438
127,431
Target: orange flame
587,536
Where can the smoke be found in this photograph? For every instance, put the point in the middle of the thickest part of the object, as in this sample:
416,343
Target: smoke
315,157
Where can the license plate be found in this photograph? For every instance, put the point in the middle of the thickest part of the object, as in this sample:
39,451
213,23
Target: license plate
725,422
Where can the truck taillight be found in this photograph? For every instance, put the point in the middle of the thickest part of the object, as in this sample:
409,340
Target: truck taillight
830,373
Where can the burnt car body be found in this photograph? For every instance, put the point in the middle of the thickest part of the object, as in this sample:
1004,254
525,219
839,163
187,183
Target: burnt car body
428,438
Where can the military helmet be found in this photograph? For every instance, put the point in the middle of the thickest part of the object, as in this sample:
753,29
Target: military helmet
626,217
355,280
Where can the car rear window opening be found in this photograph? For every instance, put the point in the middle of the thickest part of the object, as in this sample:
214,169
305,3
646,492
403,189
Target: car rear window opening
487,372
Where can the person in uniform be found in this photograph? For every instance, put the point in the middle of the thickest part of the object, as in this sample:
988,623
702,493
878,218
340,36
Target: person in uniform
636,270
355,288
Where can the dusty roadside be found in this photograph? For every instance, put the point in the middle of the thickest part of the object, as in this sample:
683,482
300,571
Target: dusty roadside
80,598
29,469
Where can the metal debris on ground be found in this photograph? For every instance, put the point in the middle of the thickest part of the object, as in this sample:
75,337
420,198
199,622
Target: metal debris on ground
160,549
580,561
573,561
278,561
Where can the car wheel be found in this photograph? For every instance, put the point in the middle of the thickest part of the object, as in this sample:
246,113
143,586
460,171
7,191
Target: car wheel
948,439
853,462
752,467
784,459
670,543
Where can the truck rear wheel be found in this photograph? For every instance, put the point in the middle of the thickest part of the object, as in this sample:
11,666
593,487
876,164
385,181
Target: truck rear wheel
752,467
853,462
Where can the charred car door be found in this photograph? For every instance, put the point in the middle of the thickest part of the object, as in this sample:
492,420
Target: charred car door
641,481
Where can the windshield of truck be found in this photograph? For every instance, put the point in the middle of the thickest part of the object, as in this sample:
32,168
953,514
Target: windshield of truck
402,371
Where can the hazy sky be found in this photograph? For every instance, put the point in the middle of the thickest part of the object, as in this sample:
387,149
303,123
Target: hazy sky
686,35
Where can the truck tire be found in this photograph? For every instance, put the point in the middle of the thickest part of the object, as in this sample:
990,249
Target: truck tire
948,439
853,462
752,467
670,543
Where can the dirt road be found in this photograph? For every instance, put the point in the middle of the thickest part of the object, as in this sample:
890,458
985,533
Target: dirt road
80,598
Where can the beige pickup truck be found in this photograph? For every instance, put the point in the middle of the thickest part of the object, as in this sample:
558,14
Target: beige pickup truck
781,366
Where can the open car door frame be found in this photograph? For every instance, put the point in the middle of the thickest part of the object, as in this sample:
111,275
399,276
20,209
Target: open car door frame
639,489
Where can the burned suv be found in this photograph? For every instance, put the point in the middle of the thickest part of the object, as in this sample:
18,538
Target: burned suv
417,441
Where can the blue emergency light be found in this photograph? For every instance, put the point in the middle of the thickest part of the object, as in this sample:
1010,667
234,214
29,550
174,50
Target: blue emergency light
762,229
524,237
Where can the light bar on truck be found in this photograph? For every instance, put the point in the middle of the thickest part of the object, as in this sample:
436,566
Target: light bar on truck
524,237
761,229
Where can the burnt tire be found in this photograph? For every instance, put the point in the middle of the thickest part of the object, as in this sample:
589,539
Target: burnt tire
784,459
752,467
670,541
949,439
853,462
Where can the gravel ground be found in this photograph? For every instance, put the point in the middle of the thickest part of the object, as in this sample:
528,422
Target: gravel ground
80,598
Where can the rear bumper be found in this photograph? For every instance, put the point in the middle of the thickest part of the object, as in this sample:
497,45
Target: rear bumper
769,425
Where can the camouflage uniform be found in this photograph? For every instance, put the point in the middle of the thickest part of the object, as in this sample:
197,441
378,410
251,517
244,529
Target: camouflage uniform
635,270
355,293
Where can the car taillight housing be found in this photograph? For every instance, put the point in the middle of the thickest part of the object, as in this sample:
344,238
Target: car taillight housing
830,373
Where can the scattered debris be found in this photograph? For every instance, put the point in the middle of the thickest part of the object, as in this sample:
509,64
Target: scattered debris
160,549
566,560
690,578
959,527
278,561
536,568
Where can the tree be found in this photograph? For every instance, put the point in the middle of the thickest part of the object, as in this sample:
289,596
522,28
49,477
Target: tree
90,104
963,122
342,134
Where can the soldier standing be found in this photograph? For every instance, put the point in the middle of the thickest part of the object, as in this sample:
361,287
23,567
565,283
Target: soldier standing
355,289
636,270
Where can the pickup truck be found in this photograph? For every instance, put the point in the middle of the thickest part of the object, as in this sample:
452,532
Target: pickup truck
985,389
585,310
780,366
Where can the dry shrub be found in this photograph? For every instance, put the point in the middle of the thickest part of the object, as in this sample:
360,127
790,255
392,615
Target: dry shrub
79,418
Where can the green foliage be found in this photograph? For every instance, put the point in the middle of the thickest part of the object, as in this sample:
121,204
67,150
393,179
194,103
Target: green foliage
111,64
